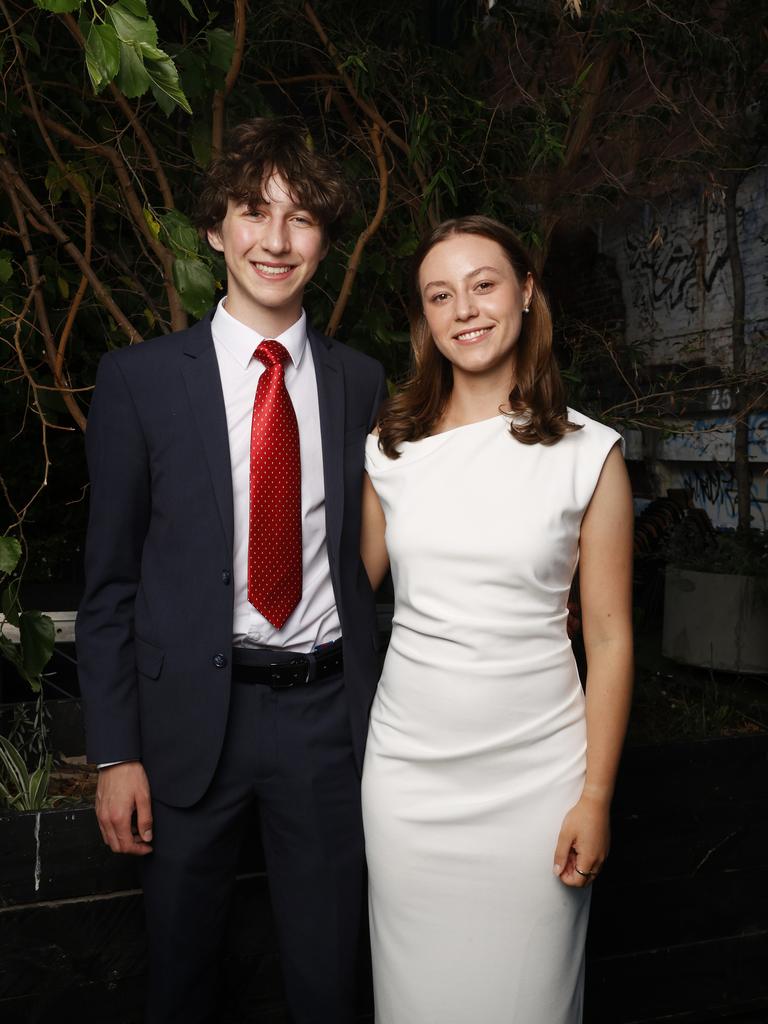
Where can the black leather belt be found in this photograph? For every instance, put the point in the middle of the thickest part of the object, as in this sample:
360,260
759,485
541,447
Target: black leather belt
257,665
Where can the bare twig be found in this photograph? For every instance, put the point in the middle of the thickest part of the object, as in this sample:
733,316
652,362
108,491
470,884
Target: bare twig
21,513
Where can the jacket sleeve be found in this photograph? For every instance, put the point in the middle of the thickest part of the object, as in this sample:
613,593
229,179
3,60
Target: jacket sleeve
118,464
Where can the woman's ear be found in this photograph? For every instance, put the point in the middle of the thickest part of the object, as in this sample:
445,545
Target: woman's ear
527,289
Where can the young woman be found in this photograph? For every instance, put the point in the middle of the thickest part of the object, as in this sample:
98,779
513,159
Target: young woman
488,774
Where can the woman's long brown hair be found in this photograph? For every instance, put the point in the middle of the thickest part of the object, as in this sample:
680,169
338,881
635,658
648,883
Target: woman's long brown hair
537,398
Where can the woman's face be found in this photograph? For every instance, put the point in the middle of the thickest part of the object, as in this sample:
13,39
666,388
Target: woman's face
473,304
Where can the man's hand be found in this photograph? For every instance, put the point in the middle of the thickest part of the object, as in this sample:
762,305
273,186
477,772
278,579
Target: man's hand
124,808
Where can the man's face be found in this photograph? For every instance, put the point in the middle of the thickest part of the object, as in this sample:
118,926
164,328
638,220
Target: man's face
271,252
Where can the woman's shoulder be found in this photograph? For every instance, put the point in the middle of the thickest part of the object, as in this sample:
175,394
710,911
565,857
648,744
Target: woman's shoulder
591,428
372,451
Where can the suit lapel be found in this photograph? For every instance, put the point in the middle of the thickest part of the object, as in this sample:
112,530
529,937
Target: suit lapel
330,391
200,369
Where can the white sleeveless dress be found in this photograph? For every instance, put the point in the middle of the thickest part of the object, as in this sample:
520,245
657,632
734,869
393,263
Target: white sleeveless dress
476,747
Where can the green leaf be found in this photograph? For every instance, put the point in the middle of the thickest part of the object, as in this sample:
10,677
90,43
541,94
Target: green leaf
37,790
102,52
152,222
131,29
407,245
132,79
30,42
165,83
59,6
38,636
149,52
180,233
14,766
192,74
137,7
583,75
10,553
195,285
164,78
187,7
377,263
55,183
166,104
6,267
9,605
221,46
200,141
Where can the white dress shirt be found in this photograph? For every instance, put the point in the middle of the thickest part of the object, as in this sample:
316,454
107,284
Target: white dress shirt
315,619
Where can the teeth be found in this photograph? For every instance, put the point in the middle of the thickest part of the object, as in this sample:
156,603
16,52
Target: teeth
470,335
265,268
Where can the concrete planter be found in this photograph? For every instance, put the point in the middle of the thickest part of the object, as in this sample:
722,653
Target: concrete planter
715,620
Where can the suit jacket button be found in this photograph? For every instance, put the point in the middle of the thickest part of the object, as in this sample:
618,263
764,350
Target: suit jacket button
226,576
219,661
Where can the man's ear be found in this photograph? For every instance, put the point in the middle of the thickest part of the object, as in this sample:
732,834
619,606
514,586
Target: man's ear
214,239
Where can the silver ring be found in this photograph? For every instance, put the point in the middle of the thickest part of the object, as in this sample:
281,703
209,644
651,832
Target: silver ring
586,874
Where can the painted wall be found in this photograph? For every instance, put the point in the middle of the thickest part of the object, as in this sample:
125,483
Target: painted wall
674,268
676,279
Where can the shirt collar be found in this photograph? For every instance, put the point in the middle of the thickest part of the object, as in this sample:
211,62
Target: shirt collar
242,341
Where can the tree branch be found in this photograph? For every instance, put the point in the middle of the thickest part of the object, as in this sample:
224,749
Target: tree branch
220,97
368,109
365,235
40,308
132,118
81,290
164,255
16,187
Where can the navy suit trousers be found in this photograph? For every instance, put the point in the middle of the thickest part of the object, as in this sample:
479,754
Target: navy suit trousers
289,752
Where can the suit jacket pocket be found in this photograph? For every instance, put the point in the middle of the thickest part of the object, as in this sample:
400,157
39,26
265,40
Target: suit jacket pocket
149,659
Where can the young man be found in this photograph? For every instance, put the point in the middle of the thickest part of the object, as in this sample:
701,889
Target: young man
222,568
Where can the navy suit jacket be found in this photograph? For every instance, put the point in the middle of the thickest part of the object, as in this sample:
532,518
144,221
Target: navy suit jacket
154,629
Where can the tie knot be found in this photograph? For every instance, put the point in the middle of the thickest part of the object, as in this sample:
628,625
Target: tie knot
271,353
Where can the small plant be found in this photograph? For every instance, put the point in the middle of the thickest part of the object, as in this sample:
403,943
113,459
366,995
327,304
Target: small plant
28,728
32,651
20,788
734,552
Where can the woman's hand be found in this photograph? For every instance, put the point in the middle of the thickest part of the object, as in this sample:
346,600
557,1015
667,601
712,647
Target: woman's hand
583,843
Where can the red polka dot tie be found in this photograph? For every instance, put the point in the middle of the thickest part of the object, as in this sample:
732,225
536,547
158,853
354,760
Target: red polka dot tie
274,534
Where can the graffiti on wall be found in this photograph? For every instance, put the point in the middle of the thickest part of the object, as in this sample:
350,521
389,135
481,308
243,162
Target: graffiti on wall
712,439
714,489
666,278
674,266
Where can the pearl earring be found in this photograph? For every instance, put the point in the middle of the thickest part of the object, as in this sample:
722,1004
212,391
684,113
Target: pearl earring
526,309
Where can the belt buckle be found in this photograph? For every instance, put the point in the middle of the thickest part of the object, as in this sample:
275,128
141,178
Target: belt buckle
278,683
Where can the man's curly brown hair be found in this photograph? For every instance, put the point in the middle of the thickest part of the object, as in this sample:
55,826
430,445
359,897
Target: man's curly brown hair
259,148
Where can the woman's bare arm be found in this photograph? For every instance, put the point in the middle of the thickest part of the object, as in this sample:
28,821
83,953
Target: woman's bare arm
372,547
605,575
